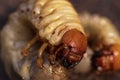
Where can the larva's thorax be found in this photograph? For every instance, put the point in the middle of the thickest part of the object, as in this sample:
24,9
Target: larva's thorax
53,18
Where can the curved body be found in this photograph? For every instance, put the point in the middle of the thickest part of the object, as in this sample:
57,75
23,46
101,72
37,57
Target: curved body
52,20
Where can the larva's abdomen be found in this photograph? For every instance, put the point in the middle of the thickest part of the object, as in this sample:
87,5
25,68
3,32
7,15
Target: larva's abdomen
58,16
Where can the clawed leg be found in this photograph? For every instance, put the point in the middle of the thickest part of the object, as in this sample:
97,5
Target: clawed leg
52,57
25,50
39,57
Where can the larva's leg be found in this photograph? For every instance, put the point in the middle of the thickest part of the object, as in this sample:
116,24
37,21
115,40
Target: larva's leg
39,57
25,50
52,59
53,56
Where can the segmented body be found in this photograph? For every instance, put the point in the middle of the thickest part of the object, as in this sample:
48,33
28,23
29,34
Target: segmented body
100,31
52,18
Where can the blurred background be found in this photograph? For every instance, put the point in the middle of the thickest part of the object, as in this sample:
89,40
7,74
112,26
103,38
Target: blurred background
108,8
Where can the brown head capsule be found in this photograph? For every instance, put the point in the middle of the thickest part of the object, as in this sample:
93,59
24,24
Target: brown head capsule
108,59
73,47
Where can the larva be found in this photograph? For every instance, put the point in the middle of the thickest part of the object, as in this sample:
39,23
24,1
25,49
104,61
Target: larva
57,25
104,39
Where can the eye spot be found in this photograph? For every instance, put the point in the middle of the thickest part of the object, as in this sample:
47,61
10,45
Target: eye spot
40,17
27,9
22,10
33,12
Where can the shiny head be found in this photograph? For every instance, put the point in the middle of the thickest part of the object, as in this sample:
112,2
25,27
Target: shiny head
108,59
74,44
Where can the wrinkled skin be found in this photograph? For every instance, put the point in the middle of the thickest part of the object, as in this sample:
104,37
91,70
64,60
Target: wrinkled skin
108,59
73,45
